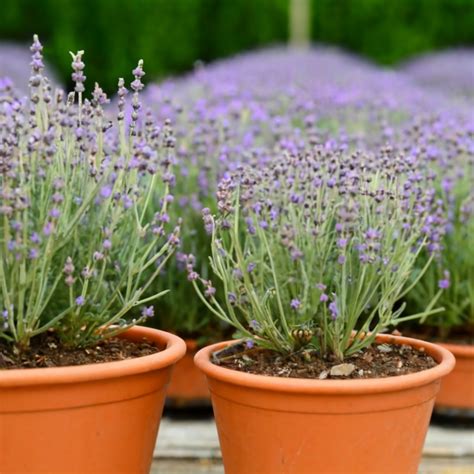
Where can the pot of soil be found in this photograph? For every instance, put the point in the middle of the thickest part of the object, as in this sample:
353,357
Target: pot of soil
456,396
93,418
287,425
188,386
457,390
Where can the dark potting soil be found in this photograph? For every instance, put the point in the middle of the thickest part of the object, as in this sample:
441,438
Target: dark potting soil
46,351
378,361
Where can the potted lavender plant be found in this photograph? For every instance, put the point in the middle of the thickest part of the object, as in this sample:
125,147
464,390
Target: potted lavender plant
450,278
313,253
227,113
81,388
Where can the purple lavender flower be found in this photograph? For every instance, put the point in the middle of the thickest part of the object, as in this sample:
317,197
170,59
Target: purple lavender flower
68,268
5,319
16,226
237,273
164,217
250,227
333,309
87,273
342,243
55,213
33,254
255,325
148,312
372,234
295,303
69,280
78,75
193,276
445,282
80,300
210,291
251,267
106,191
208,220
48,229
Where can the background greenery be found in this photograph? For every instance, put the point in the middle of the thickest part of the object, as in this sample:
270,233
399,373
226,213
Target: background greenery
389,31
170,35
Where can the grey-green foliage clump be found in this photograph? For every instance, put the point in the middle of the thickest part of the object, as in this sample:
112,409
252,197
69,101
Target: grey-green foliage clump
316,250
79,247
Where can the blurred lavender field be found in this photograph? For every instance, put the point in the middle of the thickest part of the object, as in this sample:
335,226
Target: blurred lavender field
253,106
15,64
284,99
450,72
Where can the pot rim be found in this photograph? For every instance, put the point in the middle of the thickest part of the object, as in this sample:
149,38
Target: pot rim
175,348
191,344
445,359
459,350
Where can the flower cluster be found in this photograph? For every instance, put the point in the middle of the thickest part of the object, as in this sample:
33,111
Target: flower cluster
449,72
77,178
447,146
83,200
317,248
258,105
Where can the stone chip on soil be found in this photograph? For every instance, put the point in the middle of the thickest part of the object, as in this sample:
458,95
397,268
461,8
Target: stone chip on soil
323,375
342,370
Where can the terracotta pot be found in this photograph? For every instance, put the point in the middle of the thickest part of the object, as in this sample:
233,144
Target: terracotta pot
296,426
99,418
457,390
188,386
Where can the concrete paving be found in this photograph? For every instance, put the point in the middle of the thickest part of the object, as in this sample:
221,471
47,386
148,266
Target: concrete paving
187,446
206,466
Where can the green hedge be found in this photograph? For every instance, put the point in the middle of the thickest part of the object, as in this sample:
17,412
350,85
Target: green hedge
171,34
168,34
389,31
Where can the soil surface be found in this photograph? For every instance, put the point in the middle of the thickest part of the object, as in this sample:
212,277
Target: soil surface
378,361
46,351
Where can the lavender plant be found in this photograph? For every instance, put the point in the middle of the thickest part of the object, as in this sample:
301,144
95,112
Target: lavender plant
80,248
316,249
256,105
224,115
448,147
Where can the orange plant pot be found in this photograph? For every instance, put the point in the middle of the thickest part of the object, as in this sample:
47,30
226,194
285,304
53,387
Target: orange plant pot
188,386
457,390
296,426
99,418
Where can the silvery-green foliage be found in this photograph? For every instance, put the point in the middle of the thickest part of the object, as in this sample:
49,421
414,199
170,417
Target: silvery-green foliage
79,247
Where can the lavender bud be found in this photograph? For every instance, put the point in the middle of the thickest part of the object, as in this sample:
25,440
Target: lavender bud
148,312
80,301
